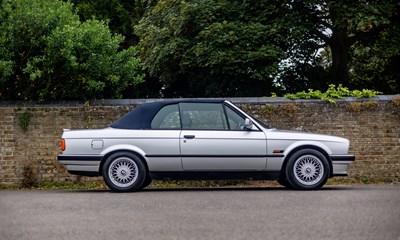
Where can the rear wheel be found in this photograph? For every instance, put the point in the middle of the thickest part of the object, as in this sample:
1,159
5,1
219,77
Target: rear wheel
124,172
307,169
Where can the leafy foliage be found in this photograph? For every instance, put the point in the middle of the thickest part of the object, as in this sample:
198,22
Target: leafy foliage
213,48
74,49
24,121
47,53
120,15
359,41
332,93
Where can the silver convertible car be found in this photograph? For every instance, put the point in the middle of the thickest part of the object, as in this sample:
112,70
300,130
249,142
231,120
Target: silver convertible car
201,140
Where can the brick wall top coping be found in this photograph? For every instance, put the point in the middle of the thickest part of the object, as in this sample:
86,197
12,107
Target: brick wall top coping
237,100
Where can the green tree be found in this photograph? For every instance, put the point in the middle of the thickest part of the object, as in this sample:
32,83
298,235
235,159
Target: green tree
121,15
376,60
214,48
47,53
359,38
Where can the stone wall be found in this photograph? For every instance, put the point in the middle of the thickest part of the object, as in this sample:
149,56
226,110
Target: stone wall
30,132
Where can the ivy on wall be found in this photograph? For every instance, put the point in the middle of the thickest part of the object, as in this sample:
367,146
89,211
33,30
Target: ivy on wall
24,120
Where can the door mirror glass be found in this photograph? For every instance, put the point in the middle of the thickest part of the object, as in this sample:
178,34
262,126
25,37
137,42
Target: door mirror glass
248,124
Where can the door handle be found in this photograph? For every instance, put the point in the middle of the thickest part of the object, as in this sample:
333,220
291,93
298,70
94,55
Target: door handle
189,136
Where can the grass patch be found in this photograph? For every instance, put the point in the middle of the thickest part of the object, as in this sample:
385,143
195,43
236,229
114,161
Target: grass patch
74,186
359,180
57,186
190,184
197,184
343,181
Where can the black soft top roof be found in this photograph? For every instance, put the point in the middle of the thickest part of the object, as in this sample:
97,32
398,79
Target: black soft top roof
141,116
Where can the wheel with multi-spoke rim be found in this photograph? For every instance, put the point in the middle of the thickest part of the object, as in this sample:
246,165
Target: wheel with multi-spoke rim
147,182
307,169
284,182
124,172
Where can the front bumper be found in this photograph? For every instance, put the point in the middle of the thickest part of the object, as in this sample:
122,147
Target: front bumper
85,165
340,164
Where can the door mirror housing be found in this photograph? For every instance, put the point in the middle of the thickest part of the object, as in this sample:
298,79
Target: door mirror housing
248,124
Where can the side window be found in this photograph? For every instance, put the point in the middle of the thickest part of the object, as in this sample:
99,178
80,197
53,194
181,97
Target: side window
167,118
236,121
203,116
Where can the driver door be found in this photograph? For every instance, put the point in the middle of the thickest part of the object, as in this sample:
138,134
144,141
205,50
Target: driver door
214,138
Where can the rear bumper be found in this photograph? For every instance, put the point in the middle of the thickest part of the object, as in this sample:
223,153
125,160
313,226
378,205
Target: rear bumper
85,165
340,164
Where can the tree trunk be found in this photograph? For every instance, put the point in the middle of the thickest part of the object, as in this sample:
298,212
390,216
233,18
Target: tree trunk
340,57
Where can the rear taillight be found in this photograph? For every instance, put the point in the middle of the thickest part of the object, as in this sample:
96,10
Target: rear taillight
62,144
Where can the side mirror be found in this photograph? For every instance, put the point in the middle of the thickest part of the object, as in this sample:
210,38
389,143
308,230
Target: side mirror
248,124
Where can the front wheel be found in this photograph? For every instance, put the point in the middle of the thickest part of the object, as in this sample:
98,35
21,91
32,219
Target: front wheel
284,182
147,182
307,169
124,172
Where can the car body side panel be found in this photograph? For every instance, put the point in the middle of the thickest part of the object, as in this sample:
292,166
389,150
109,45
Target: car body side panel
160,153
223,150
159,148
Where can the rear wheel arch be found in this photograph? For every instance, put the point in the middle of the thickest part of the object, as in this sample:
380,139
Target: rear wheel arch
105,157
125,171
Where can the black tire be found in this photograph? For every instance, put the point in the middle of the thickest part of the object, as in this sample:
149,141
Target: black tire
147,182
307,169
124,172
284,182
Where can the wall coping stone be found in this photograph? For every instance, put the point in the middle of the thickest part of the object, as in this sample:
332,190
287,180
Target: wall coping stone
237,100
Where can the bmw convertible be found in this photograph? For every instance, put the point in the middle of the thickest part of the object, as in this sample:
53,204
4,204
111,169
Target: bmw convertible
201,140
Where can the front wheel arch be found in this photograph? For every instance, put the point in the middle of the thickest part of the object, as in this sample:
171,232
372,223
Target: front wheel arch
293,151
307,169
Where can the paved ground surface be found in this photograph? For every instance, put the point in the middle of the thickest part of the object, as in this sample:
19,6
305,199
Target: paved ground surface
335,212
